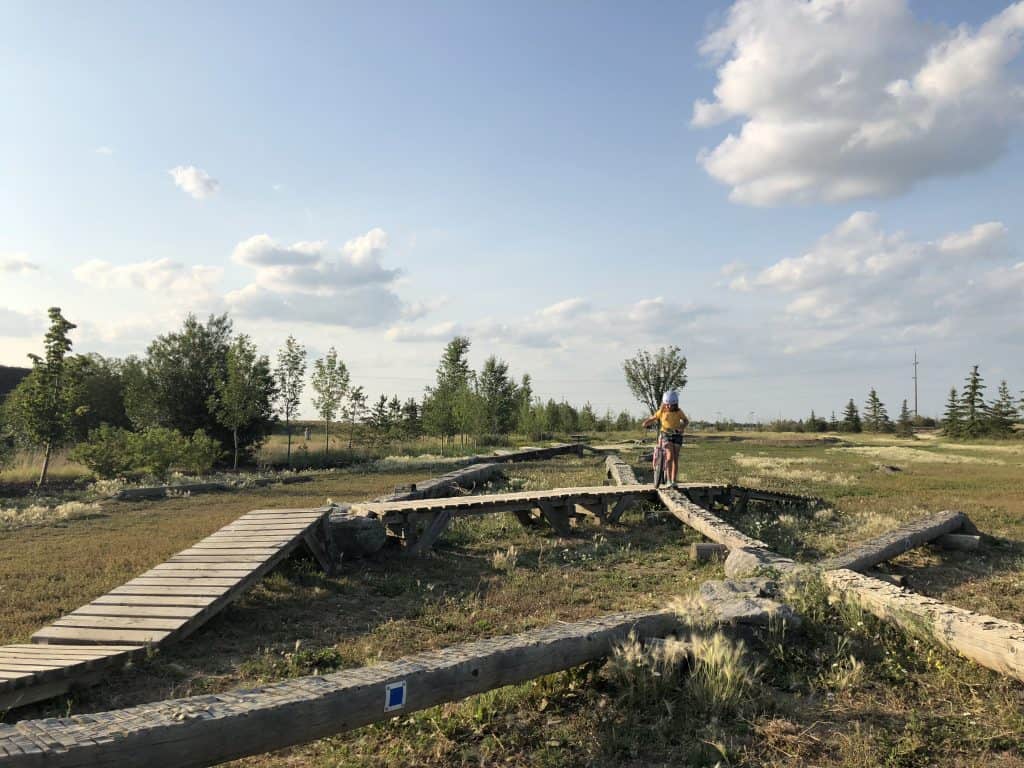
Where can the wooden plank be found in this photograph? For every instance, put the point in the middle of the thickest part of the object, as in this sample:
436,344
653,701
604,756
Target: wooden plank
188,565
142,611
240,562
184,601
16,668
148,581
896,542
256,553
85,635
116,622
165,590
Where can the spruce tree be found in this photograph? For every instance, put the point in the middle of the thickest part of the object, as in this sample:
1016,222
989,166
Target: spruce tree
952,419
833,423
875,417
1003,412
851,418
972,404
411,425
905,425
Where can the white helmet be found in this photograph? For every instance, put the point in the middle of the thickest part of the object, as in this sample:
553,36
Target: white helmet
670,398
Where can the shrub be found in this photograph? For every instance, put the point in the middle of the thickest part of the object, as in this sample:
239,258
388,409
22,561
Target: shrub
201,453
109,452
157,449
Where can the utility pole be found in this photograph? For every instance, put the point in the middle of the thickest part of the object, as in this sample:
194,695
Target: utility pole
915,383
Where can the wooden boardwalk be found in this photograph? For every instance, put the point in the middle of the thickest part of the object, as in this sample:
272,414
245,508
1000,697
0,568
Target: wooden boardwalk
162,605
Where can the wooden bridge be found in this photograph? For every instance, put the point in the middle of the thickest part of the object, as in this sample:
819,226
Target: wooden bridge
162,605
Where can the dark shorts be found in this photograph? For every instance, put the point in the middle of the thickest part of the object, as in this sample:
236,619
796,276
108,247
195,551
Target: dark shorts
676,438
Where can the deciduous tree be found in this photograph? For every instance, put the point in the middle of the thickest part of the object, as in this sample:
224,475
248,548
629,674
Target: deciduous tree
245,392
290,375
330,383
650,376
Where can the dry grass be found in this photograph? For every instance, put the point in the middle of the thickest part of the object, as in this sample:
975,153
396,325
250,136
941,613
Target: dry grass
788,469
899,454
24,467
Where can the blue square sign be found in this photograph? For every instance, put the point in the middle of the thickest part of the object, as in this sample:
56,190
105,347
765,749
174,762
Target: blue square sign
394,696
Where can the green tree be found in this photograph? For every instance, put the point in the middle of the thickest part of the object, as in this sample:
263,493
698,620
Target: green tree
353,411
587,418
411,425
108,452
101,390
445,400
290,375
833,423
500,396
380,416
905,425
41,409
1003,412
876,419
650,376
246,391
330,383
952,420
972,404
851,418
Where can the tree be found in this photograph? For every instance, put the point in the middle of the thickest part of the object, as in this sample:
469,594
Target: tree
441,415
330,383
588,418
952,420
380,415
411,426
245,392
972,405
851,418
875,417
1003,412
650,376
833,423
101,390
41,408
355,407
290,376
500,396
905,425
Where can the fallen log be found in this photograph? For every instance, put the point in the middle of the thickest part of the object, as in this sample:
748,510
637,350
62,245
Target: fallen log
985,640
619,471
967,542
711,526
896,542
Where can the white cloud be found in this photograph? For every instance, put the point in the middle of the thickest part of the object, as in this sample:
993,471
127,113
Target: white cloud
842,99
415,333
567,308
161,277
17,264
194,181
310,282
859,283
106,151
15,324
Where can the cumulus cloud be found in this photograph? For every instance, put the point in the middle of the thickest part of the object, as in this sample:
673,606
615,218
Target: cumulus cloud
311,282
18,264
162,277
842,99
194,181
415,333
859,281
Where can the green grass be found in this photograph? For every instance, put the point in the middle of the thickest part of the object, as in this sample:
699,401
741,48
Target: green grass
847,691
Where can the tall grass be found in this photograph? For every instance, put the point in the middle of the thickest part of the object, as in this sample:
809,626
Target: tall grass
24,467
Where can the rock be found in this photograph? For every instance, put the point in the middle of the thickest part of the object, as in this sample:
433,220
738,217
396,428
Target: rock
750,561
357,536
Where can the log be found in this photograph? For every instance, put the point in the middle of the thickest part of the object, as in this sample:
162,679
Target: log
966,542
985,640
357,536
619,471
704,522
208,729
707,551
896,542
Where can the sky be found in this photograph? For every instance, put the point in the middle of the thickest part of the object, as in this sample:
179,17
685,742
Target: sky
798,193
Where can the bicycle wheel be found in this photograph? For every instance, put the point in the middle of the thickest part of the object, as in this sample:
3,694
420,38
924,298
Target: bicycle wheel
659,466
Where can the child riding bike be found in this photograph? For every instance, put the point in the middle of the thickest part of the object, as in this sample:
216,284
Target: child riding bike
671,421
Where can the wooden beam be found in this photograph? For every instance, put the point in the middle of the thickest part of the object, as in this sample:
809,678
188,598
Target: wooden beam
704,552
986,640
706,523
896,542
622,504
966,542
214,728
556,516
430,534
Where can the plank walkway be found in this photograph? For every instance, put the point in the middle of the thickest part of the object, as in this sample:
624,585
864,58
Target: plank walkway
162,605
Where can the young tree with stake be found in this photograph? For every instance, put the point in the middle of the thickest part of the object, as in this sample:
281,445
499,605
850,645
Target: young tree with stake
330,382
290,373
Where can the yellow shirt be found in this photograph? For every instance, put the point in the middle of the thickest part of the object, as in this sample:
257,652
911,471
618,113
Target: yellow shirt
671,421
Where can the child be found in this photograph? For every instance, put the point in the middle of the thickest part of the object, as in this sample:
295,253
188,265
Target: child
672,421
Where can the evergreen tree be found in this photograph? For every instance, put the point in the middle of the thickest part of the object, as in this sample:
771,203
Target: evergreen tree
41,408
905,425
411,425
380,417
353,412
833,423
875,417
1003,412
290,374
330,383
851,418
246,391
972,405
952,420
394,411
587,419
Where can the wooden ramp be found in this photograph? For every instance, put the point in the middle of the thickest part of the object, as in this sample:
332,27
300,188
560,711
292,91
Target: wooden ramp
162,605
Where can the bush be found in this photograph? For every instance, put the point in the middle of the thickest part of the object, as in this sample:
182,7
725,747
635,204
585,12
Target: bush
157,449
201,453
109,453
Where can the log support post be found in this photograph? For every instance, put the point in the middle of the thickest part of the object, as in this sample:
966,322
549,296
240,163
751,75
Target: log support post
621,505
556,516
433,529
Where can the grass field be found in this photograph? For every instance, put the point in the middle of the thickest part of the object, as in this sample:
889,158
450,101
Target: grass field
844,692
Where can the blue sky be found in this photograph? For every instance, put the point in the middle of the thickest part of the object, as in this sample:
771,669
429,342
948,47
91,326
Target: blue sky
539,177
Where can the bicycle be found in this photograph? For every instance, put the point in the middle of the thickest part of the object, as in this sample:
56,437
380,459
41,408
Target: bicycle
659,461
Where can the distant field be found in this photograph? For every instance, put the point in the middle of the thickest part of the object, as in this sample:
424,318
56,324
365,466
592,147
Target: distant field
897,702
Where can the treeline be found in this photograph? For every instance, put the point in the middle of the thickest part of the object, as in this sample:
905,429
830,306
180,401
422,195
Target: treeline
968,415
203,395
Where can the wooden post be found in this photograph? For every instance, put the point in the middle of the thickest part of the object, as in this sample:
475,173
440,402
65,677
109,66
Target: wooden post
431,532
621,505
704,552
556,516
